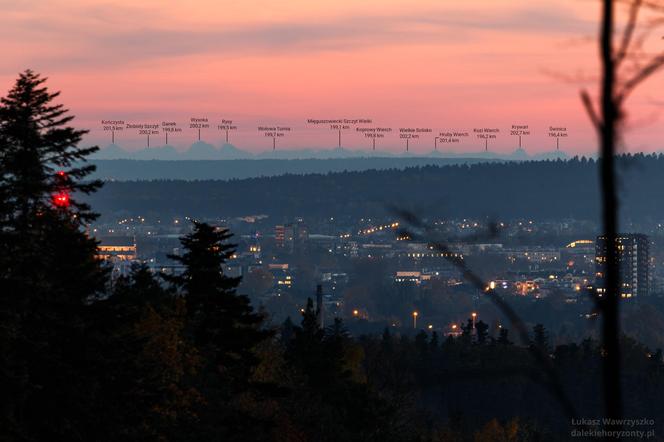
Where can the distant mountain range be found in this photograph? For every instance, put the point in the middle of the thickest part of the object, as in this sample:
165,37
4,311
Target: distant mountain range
205,151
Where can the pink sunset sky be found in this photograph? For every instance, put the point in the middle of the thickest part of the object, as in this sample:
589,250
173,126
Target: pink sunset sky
403,63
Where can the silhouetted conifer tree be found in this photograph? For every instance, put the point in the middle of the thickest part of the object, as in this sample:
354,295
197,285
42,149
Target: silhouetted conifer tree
222,322
434,343
48,270
226,331
145,360
40,156
335,343
503,337
307,347
541,339
482,332
287,331
422,343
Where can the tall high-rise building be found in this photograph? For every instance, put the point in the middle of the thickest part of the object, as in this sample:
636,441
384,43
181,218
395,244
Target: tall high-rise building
291,236
280,235
633,254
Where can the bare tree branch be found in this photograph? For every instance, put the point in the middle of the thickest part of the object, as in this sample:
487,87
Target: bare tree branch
577,79
590,109
653,66
653,5
628,33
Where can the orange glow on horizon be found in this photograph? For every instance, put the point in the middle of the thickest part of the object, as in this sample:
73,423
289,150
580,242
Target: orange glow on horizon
401,63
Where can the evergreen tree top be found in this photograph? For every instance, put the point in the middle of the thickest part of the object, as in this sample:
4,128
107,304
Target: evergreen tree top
206,249
40,159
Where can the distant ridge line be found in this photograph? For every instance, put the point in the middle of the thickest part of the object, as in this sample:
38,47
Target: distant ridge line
201,150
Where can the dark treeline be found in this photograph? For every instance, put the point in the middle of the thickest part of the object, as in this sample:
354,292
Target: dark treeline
186,358
127,169
539,190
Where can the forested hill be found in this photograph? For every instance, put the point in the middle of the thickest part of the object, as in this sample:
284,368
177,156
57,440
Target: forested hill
537,190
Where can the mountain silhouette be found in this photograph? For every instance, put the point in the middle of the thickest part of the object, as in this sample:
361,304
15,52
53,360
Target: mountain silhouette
201,150
156,153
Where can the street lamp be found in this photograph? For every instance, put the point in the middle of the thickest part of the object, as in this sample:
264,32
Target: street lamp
474,316
415,314
454,330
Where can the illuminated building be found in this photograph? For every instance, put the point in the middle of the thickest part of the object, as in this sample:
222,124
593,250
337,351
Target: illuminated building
584,244
579,255
282,276
120,251
524,288
281,234
408,277
633,254
291,236
119,248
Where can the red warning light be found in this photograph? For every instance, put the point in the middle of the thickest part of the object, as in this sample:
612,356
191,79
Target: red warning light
61,195
61,199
